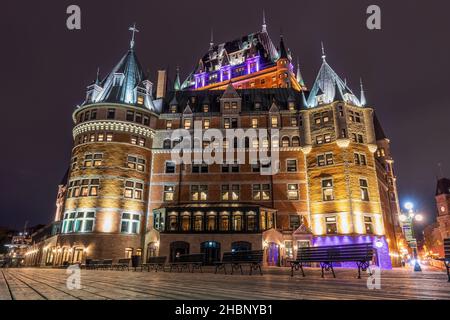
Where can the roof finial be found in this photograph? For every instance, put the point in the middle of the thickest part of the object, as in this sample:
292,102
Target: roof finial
363,96
97,79
323,51
299,75
133,30
264,25
211,42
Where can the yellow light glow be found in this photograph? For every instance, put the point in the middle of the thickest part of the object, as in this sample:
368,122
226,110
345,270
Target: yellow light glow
358,223
345,223
107,223
318,225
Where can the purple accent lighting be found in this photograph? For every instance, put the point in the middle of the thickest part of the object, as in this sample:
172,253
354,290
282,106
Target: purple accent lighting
383,260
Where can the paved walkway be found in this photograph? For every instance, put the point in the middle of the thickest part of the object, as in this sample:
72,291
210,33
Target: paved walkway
43,284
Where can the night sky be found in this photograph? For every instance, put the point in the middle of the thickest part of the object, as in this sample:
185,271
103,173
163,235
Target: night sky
45,69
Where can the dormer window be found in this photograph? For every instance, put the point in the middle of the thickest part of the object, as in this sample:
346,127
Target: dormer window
226,106
140,100
321,99
291,106
173,108
118,78
274,122
205,108
257,106
234,105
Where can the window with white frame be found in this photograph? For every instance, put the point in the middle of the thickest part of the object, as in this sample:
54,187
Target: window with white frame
134,190
78,222
169,193
83,188
136,163
130,223
364,187
331,225
291,165
327,190
93,159
292,191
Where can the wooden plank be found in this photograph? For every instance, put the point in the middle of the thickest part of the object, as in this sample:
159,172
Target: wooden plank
5,294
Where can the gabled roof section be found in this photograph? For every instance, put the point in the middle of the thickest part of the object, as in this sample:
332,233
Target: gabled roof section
230,93
329,84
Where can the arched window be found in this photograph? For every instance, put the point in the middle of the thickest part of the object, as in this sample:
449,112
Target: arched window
237,221
173,221
251,221
186,221
224,221
198,221
295,141
285,142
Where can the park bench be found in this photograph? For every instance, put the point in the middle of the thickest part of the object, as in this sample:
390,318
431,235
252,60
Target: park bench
154,263
237,259
105,264
122,264
446,259
361,254
90,264
188,261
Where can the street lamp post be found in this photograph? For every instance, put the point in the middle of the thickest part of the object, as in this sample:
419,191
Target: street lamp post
409,219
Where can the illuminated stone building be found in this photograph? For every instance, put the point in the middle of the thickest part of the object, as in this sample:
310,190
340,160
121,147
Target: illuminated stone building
126,196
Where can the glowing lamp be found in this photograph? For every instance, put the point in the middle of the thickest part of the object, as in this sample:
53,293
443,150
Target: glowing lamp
379,244
409,206
419,218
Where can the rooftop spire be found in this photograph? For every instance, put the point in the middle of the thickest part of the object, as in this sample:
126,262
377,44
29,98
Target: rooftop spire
363,96
264,25
97,79
133,30
323,51
299,75
177,84
211,42
283,53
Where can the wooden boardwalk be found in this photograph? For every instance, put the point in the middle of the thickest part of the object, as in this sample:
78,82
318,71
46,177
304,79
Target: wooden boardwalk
48,284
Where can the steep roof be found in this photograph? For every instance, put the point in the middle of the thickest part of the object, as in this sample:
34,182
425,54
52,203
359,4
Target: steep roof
443,186
266,97
379,132
331,85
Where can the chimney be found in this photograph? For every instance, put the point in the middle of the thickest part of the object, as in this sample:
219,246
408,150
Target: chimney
162,84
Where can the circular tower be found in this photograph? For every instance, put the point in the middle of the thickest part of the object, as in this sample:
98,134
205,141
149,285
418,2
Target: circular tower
107,198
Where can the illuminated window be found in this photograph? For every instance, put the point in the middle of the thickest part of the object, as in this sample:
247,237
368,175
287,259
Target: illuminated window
364,187
234,105
327,190
327,138
83,188
251,221
141,142
331,225
230,194
291,106
205,108
274,122
134,140
92,137
130,223
224,221
325,117
169,193
136,163
206,123
211,221
368,225
93,159
109,137
285,142
325,159
319,139
292,191
226,105
254,123
317,118
140,100
187,124
294,122
173,108
237,221
133,190
226,123
198,221
199,192
78,222
101,137
169,125
261,192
